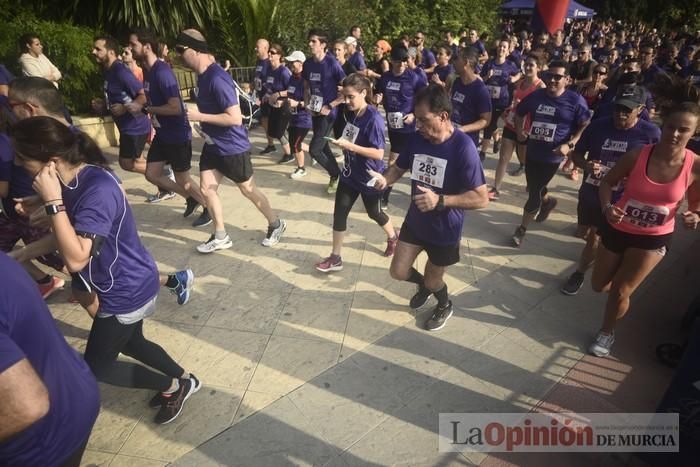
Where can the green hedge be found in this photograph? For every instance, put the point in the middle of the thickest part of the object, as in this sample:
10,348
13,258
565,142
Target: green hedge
67,46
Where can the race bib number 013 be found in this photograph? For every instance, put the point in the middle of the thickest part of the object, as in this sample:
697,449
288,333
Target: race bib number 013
541,131
429,170
645,215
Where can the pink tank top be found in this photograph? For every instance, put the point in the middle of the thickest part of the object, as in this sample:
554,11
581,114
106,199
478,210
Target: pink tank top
651,207
519,94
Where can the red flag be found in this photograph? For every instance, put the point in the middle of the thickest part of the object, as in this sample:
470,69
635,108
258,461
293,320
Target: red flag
549,15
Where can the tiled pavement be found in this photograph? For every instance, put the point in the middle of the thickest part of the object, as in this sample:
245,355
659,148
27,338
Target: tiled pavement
301,368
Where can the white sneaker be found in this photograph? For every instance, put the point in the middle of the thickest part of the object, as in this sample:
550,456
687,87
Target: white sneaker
168,171
602,344
160,196
213,244
298,173
274,235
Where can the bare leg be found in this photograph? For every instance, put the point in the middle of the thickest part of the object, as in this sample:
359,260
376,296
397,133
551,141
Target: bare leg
209,180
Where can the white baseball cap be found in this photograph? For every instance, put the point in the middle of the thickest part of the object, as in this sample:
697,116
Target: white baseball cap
296,56
350,40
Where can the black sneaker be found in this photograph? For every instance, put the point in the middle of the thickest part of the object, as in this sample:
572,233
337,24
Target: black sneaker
190,207
518,236
546,209
172,404
439,318
573,284
268,149
203,219
420,297
286,159
157,400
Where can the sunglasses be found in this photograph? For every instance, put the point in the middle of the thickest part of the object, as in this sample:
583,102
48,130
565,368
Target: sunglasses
622,109
554,77
273,52
181,49
600,72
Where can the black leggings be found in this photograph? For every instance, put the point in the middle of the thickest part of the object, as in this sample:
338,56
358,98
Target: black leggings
319,148
109,337
346,196
296,137
538,175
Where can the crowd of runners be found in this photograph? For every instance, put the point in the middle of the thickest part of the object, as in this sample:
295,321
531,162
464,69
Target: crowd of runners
610,104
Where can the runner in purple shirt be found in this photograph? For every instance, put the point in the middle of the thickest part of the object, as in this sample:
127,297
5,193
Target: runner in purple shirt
50,399
121,90
396,90
322,75
96,235
173,140
443,68
446,179
602,144
559,116
300,124
425,59
354,55
226,151
471,102
275,93
262,67
362,142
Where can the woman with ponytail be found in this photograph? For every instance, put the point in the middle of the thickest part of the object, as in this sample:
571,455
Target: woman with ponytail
638,228
96,235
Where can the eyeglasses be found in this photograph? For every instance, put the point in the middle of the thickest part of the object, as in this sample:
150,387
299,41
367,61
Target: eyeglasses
273,52
554,77
180,49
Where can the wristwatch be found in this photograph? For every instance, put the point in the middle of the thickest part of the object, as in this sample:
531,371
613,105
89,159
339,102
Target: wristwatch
441,203
53,209
571,144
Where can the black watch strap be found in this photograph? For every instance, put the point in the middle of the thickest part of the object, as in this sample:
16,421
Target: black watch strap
441,203
53,209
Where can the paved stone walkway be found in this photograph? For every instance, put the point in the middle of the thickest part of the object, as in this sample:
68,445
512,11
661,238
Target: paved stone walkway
301,368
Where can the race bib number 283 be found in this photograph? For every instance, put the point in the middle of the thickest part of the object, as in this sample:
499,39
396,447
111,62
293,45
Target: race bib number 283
429,170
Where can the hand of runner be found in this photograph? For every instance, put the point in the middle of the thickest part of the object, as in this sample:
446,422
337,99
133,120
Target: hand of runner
563,150
427,200
25,206
409,118
340,142
46,183
614,214
690,220
380,182
134,108
325,110
117,110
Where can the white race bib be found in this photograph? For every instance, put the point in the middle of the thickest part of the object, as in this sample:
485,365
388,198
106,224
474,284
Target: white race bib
257,83
315,103
395,120
645,215
429,170
541,131
494,91
350,132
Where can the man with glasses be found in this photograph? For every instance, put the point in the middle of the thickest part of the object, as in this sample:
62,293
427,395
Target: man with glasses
649,69
226,151
173,140
427,58
582,68
478,45
559,116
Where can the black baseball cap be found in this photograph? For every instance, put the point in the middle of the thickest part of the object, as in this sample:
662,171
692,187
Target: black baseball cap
631,96
399,54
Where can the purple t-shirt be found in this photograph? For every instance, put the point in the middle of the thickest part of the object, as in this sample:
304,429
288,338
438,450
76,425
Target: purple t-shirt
123,274
554,120
444,71
122,87
398,93
277,80
5,75
605,143
357,61
469,101
27,330
323,77
160,86
369,133
20,182
301,118
499,81
449,168
422,75
216,92
261,69
427,58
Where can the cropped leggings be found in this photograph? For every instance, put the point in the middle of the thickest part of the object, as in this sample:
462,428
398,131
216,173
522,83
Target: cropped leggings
538,175
346,196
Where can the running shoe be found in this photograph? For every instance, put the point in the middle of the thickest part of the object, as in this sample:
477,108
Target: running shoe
332,185
185,280
268,149
420,297
299,172
274,234
494,195
203,219
172,404
439,317
602,344
546,209
573,284
160,196
157,400
518,236
211,245
191,205
48,289
391,245
330,264
285,159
